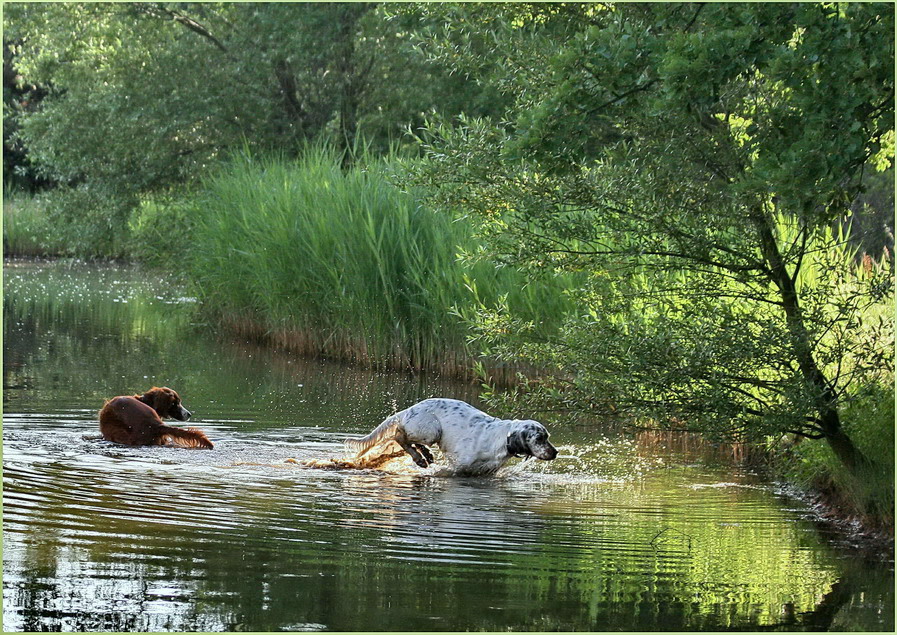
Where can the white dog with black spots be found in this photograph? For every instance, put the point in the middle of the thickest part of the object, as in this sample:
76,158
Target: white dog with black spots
472,441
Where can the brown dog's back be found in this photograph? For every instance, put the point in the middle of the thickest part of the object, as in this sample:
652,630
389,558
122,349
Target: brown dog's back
130,421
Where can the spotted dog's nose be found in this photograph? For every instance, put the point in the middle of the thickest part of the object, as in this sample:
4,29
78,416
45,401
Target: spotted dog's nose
548,454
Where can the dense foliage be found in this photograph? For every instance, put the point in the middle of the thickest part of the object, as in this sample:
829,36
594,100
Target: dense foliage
692,160
117,101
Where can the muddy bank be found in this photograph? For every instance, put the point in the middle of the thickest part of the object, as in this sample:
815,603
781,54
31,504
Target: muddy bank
868,535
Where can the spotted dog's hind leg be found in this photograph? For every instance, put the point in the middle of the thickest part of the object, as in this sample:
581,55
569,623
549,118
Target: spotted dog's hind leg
425,451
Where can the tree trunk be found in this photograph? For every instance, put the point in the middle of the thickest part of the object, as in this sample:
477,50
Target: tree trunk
841,444
352,77
829,419
286,81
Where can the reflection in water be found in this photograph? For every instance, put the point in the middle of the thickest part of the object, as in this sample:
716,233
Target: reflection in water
610,537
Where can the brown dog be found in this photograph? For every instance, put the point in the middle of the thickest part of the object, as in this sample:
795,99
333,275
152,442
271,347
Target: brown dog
137,420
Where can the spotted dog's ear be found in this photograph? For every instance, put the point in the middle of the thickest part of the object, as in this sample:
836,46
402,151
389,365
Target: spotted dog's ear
517,445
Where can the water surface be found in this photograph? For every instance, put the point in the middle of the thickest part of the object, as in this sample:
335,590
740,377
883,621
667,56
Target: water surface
617,534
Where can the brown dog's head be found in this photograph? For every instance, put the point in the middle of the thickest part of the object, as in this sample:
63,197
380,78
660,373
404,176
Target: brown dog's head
166,402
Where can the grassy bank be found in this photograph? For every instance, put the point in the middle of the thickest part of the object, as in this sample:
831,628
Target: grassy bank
868,495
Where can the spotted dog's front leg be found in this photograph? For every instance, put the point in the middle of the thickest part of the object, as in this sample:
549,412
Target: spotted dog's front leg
412,449
425,451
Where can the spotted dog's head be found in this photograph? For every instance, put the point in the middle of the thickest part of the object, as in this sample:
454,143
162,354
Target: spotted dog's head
530,438
166,402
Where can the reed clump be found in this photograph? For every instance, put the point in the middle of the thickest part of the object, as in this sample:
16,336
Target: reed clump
27,229
342,264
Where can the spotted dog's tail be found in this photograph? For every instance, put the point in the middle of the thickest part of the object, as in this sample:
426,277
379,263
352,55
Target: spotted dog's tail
185,438
384,432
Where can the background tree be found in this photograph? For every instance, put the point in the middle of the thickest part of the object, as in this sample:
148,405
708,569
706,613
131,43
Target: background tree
144,97
18,97
691,159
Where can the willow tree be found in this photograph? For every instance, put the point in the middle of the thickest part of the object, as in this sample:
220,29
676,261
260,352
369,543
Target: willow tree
690,160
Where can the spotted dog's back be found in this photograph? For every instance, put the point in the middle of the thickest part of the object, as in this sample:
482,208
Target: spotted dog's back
464,431
427,422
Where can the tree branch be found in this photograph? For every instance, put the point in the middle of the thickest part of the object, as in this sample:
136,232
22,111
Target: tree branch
154,9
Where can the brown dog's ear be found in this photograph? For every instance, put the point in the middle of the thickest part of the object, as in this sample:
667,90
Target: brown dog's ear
159,399
166,398
149,397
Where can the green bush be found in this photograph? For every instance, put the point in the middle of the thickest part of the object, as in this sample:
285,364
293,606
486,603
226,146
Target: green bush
93,221
161,233
66,221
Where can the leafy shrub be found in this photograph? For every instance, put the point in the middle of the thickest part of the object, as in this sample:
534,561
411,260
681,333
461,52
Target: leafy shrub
26,228
161,232
87,222
869,494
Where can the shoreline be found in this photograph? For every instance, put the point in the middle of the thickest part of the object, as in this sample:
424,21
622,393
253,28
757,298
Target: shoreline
856,534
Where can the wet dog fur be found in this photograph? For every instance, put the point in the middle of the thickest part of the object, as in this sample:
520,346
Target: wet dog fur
472,441
137,420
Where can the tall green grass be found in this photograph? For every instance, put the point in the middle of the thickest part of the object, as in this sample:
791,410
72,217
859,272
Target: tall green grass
27,229
342,264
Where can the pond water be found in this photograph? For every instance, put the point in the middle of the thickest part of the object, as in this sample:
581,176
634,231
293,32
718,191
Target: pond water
617,534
